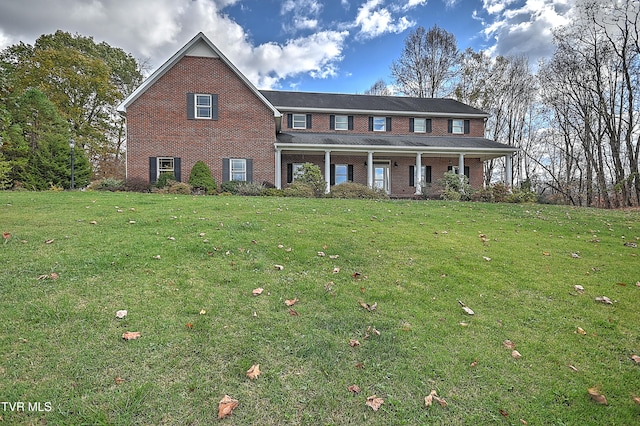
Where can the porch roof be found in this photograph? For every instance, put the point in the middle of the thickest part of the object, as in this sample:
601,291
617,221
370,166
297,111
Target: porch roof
401,144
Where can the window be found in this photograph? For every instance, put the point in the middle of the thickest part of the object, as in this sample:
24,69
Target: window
424,178
297,171
341,174
299,121
203,106
420,125
165,165
457,126
238,169
379,124
342,122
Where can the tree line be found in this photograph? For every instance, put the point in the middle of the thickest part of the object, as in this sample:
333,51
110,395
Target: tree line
575,118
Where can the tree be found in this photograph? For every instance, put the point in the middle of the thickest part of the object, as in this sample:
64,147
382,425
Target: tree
84,80
379,88
428,63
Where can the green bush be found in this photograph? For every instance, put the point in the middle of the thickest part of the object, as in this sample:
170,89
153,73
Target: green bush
299,189
180,188
273,192
520,196
454,188
230,186
201,178
249,189
310,175
356,190
500,192
108,184
165,179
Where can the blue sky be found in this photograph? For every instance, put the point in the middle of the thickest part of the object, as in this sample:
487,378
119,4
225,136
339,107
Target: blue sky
309,45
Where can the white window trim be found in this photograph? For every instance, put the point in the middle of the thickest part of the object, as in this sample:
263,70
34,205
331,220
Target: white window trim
457,127
424,125
160,170
242,171
196,106
384,124
302,118
345,175
345,123
296,170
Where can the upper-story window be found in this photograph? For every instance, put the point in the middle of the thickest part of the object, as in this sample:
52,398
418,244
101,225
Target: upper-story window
203,106
459,127
379,124
299,121
342,122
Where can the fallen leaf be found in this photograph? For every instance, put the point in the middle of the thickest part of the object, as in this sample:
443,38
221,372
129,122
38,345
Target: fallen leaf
369,307
257,291
580,330
189,325
546,253
572,367
202,312
440,401
130,335
353,343
291,302
374,402
578,288
93,222
336,270
474,364
49,241
171,238
504,413
119,380
293,313
524,422
575,255
595,394
636,399
515,354
226,406
483,238
428,400
334,256
121,313
6,235
157,257
321,254
468,310
636,358
604,299
509,344
488,259
254,372
356,275
278,267
354,389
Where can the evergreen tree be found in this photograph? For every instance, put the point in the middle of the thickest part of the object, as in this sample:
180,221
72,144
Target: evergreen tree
201,178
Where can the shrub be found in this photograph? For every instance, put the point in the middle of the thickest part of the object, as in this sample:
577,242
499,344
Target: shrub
273,192
356,190
180,188
249,189
520,196
309,174
165,179
299,189
484,195
500,192
107,184
137,185
455,189
201,178
230,186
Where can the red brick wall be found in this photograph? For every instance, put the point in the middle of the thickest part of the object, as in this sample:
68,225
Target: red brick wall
158,126
399,125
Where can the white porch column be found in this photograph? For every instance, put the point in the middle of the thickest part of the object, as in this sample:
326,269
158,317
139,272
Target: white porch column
508,169
461,171
278,182
327,170
418,174
370,169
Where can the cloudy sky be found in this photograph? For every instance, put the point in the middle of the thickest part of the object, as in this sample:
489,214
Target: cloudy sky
309,45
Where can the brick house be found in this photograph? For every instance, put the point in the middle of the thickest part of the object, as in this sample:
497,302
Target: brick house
199,106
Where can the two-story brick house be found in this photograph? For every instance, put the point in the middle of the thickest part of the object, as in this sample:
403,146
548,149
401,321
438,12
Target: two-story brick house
199,106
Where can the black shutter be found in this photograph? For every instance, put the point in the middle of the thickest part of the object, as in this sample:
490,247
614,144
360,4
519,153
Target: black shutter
289,172
153,169
411,126
412,175
191,104
466,171
332,122
177,169
371,124
289,121
428,125
427,172
467,127
388,124
332,178
225,170
308,121
350,122
450,126
214,107
249,169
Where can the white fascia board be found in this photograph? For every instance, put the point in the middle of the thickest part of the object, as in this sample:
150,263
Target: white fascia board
396,149
380,112
122,108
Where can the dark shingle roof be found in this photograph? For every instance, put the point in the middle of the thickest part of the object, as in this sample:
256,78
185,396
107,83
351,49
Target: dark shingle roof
485,147
344,102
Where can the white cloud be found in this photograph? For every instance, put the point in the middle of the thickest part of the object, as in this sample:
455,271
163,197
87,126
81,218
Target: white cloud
374,20
305,14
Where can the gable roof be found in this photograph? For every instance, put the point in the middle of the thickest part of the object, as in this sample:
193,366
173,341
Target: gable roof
201,46
362,104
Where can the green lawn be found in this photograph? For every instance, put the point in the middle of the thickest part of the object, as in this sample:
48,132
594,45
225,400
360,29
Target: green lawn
185,267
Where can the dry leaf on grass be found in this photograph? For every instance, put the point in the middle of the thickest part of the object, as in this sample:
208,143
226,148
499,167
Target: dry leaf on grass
257,291
278,267
369,307
130,335
374,402
595,394
119,380
636,399
49,241
226,406
336,270
580,330
578,288
291,302
6,235
121,313
604,299
189,325
293,313
433,396
636,358
354,389
488,259
572,367
254,372
52,276
203,312
465,308
353,343
508,344
516,355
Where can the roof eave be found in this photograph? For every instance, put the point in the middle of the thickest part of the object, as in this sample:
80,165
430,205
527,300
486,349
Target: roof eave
399,149
380,112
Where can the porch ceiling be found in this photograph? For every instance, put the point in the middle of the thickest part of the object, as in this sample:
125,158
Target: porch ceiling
437,146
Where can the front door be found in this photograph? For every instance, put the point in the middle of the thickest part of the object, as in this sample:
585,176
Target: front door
381,177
